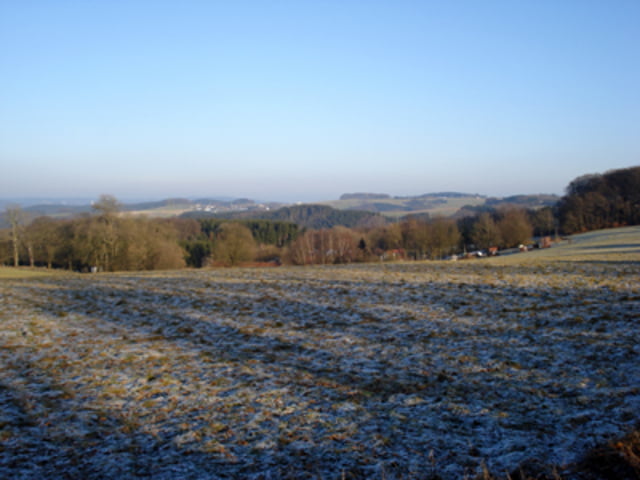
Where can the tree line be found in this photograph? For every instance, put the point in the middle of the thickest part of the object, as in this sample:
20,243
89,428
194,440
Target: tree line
104,240
598,201
108,240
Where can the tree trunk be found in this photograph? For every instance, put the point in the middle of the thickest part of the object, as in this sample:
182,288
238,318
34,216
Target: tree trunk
16,254
32,260
13,215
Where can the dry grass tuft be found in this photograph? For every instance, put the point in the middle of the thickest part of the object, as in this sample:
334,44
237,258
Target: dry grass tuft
617,460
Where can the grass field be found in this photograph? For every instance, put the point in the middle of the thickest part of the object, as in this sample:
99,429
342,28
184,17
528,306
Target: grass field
406,370
24,273
161,212
613,245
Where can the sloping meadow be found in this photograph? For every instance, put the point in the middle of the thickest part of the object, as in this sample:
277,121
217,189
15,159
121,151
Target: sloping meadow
367,371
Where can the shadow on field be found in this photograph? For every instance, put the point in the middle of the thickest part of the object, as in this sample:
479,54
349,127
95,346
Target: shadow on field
45,435
106,445
356,366
618,246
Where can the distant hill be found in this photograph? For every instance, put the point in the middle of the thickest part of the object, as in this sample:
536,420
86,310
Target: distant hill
307,215
528,202
441,203
351,210
525,201
364,196
161,208
53,210
169,202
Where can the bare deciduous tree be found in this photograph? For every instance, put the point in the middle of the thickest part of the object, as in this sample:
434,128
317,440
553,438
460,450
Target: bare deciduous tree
443,237
515,228
16,219
234,245
485,233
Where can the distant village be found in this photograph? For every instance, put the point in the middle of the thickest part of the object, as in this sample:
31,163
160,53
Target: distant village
241,205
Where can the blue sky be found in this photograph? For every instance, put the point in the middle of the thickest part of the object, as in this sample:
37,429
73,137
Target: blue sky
305,100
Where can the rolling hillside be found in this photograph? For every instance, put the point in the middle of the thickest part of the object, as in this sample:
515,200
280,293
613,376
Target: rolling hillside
351,209
434,204
307,215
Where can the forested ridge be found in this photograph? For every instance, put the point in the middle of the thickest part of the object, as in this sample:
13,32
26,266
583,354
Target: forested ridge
598,201
306,216
110,239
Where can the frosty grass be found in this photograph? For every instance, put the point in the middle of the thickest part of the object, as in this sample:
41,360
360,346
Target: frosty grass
365,371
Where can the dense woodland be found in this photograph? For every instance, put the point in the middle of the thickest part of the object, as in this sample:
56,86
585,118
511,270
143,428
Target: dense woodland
108,239
306,216
598,201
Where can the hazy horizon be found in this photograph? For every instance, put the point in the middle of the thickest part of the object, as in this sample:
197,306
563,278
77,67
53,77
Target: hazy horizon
302,101
87,200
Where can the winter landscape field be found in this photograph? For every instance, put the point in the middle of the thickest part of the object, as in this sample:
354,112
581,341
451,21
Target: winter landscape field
384,371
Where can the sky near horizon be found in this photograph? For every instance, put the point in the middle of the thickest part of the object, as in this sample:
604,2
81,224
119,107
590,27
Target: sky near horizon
306,100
